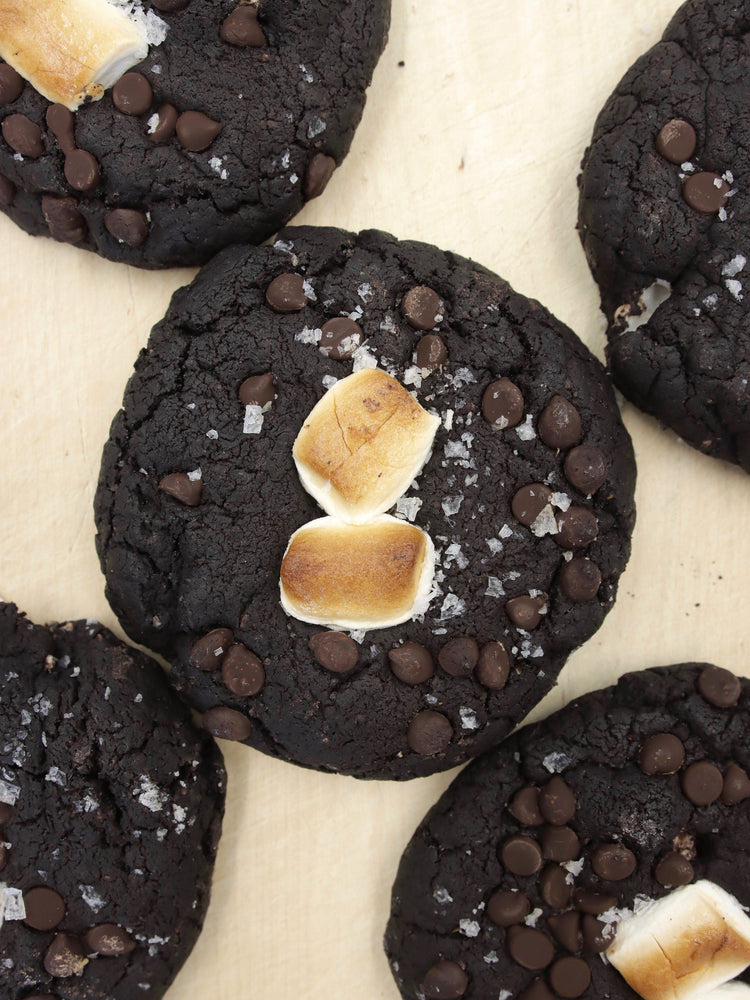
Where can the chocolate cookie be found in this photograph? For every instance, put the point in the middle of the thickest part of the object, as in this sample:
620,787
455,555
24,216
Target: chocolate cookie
526,870
526,501
238,115
110,813
663,217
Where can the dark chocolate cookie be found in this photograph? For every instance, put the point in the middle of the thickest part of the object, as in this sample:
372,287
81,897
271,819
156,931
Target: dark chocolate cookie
220,135
516,881
527,498
663,218
110,813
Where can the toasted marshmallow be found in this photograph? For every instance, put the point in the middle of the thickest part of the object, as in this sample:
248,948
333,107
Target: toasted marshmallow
362,445
684,945
357,576
69,50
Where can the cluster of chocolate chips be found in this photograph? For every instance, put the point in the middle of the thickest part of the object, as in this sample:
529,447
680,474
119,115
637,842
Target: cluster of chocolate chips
705,191
241,672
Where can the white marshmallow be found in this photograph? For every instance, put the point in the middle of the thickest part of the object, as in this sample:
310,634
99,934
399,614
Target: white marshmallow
730,991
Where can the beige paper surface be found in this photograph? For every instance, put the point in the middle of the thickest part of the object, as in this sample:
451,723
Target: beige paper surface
473,144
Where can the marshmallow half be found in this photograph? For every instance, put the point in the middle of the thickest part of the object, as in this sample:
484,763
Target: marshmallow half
357,576
683,945
362,445
69,50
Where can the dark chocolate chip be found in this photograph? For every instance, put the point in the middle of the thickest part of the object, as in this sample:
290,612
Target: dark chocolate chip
445,981
429,733
662,753
560,423
674,870
61,123
525,612
241,28
594,903
7,191
318,174
736,786
23,135
166,126
521,855
430,352
286,293
537,990
258,390
132,94
82,170
127,226
554,887
530,501
493,666
525,807
597,936
65,222
196,131
676,141
507,907
702,783
560,843
226,723
109,940
577,528
566,929
557,802
334,651
502,404
11,85
45,908
613,862
529,947
65,957
705,192
180,486
340,338
170,6
421,308
459,656
585,468
580,580
570,976
208,652
412,663
719,687
242,671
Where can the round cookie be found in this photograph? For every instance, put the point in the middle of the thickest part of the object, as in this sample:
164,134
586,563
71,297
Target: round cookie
228,126
527,498
110,812
663,217
515,882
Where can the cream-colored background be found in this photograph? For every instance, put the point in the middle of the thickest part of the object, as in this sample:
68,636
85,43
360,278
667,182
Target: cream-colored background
474,145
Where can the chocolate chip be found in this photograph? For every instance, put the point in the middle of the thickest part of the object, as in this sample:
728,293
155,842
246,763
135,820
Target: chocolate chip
127,226
166,126
420,307
702,783
109,940
674,870
529,947
11,85
719,687
502,404
61,123
525,807
705,192
65,957
226,723
23,136
340,338
529,502
82,170
196,131
566,928
597,936
560,843
429,733
554,887
180,486
65,222
570,976
241,28
7,813
676,141
662,753
412,663
208,652
613,862
557,802
577,528
445,981
493,666
594,903
585,468
560,423
521,855
507,907
430,352
242,671
132,94
170,6
318,174
286,293
334,651
525,612
580,580
258,390
736,786
537,990
459,656
7,191
45,908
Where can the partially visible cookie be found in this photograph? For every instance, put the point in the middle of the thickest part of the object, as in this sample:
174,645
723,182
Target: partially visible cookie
110,812
519,878
664,217
526,498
